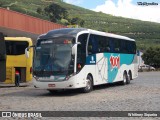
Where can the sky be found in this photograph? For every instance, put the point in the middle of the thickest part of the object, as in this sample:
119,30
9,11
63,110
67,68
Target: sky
123,8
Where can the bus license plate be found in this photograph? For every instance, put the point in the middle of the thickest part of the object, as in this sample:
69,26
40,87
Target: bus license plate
51,85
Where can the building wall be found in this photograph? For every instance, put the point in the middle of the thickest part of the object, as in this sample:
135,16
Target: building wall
21,22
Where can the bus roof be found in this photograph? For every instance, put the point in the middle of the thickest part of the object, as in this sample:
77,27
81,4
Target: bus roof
61,32
74,31
18,38
110,35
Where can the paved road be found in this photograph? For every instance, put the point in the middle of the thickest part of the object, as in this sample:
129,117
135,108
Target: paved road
143,94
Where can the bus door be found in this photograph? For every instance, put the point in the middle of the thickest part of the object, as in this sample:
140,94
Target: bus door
2,59
81,51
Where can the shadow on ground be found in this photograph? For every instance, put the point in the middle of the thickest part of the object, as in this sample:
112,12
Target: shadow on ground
30,91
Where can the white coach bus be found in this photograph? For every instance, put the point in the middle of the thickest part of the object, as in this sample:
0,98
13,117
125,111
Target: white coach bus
72,58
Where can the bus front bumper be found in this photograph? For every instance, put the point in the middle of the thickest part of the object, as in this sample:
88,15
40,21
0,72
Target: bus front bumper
68,84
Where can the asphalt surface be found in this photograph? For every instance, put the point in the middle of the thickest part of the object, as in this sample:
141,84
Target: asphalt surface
142,94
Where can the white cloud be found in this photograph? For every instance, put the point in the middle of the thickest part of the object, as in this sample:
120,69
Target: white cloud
75,2
125,8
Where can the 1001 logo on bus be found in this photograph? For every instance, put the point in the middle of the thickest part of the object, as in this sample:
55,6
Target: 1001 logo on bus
115,61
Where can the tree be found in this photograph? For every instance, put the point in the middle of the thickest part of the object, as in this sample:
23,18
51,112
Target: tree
1,4
39,10
152,57
64,22
77,21
56,12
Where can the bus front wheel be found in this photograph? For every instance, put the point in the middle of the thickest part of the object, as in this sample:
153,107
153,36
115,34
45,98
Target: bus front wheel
89,85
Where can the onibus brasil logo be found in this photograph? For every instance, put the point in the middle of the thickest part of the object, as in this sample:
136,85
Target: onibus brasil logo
115,61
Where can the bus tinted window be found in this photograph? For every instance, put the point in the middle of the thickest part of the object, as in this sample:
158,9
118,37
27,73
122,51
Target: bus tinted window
16,47
117,45
93,44
98,44
124,47
101,44
131,47
128,47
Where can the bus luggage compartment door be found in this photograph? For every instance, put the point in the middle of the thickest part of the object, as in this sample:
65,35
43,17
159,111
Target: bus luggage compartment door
101,68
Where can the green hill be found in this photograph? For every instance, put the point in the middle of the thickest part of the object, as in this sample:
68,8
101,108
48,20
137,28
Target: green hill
146,34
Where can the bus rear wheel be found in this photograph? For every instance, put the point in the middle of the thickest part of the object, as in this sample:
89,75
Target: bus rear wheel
125,79
129,78
89,85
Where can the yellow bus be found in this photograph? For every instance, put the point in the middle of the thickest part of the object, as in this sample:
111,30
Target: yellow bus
16,60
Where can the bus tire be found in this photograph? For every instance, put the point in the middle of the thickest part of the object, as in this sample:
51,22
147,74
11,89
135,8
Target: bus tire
125,79
129,78
89,85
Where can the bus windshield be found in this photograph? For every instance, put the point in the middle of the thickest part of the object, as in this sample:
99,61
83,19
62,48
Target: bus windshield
53,57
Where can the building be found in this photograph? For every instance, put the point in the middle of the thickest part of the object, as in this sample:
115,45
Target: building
14,24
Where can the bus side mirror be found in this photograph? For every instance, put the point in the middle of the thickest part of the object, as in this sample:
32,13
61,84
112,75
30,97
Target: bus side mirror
27,53
27,50
74,48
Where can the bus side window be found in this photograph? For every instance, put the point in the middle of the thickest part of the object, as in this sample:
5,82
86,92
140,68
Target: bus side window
124,46
131,47
117,45
106,45
134,47
103,44
111,44
93,44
